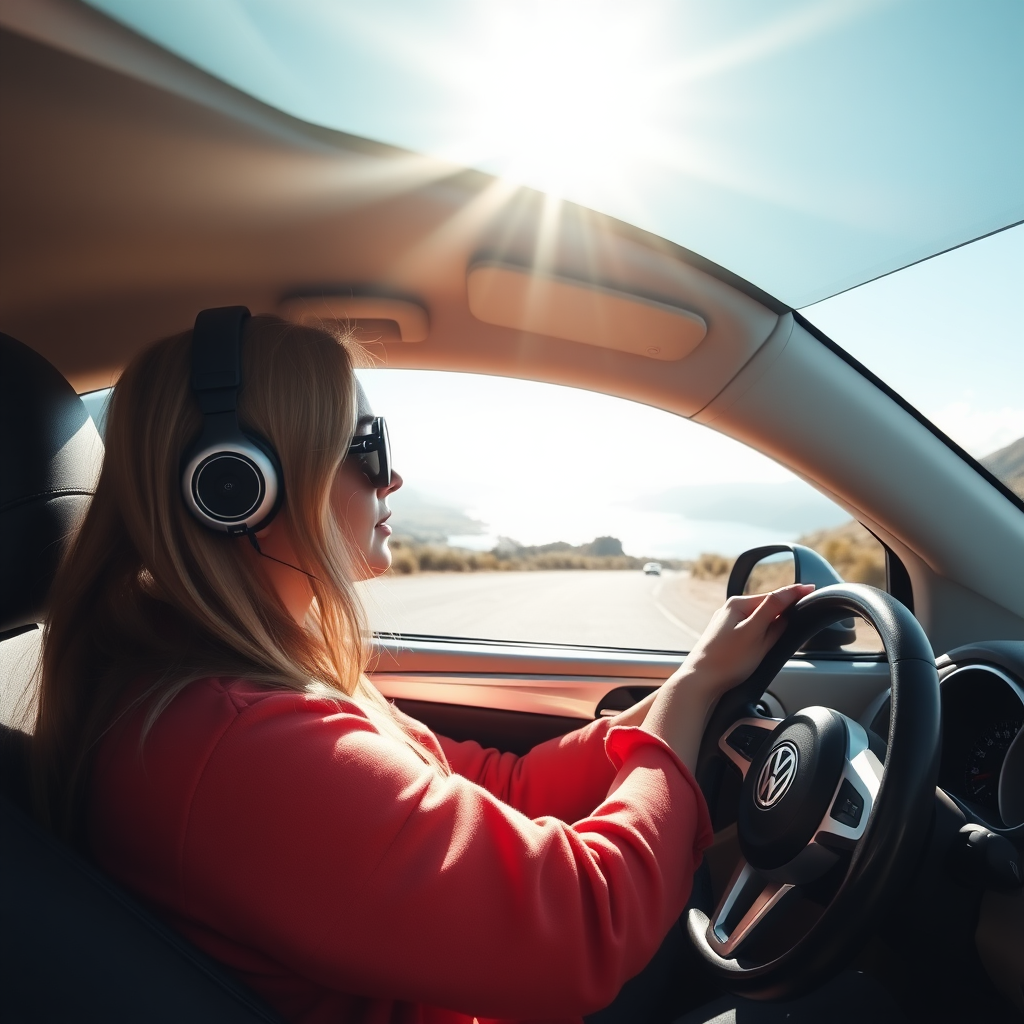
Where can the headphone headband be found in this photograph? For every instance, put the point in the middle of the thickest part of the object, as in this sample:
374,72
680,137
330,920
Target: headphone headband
217,357
231,477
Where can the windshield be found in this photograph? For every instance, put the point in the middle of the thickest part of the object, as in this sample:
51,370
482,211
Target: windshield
948,335
806,147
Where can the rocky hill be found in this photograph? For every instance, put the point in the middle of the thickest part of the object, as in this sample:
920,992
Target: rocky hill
1008,465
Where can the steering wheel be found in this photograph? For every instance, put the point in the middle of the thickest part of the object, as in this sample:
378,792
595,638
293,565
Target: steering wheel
827,832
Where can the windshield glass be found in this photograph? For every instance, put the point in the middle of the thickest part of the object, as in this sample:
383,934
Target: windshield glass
530,512
948,335
806,147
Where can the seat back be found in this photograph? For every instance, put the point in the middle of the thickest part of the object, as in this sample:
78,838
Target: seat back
74,946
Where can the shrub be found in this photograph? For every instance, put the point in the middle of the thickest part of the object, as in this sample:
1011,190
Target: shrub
710,566
404,562
437,559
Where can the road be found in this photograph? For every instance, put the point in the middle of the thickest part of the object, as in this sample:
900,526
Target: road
618,609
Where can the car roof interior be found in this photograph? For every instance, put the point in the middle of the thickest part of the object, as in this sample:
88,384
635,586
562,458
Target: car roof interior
138,190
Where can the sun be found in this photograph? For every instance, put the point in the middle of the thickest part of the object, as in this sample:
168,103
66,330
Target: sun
562,98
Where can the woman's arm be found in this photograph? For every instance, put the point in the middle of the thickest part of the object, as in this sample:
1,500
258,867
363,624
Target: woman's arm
736,640
637,713
568,776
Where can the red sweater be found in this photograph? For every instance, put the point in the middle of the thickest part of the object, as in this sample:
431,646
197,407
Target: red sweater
345,880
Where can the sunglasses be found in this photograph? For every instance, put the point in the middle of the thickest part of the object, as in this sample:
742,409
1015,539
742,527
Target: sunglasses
374,451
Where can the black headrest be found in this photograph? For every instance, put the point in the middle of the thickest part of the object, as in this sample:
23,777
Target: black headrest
50,458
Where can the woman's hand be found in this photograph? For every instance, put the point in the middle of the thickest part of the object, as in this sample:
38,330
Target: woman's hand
735,642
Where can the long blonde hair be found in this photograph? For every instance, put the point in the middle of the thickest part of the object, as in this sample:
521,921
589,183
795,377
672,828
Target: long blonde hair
148,596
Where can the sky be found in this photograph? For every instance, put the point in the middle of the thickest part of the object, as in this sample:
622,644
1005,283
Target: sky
948,335
540,463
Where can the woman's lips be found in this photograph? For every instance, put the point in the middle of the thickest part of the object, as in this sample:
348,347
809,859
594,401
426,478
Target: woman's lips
384,528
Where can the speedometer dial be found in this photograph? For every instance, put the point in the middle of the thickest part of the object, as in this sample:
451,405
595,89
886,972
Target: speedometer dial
985,759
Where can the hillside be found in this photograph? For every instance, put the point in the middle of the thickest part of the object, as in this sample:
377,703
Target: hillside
1008,465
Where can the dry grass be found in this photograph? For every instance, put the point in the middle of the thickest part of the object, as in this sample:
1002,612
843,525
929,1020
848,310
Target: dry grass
854,553
711,567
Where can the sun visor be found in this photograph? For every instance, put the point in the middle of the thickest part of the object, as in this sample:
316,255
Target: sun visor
513,297
373,318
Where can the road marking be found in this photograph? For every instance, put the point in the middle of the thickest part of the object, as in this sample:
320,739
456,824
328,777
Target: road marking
668,615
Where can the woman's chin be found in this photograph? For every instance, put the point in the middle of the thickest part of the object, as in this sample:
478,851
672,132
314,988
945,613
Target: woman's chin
380,561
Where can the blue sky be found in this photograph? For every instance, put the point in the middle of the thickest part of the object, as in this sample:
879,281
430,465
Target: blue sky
948,334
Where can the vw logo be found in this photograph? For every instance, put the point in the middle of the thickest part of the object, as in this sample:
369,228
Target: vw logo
777,775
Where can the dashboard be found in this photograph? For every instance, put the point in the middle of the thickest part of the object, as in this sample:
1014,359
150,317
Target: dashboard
982,763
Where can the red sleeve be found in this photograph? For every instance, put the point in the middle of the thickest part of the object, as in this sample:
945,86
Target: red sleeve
338,853
566,777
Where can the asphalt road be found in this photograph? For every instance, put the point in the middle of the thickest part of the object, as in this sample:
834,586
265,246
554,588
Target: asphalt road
618,609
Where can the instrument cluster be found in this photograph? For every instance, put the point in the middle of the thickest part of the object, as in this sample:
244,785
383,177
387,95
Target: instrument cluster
983,714
982,765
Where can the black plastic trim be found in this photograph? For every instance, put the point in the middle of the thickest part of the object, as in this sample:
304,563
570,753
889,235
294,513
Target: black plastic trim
897,579
526,644
530,645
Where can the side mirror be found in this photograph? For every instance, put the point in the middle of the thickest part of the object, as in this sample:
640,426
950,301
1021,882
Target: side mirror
808,567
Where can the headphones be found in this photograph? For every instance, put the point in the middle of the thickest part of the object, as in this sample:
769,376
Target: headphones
231,478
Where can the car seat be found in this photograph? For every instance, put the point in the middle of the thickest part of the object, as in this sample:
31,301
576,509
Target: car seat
74,946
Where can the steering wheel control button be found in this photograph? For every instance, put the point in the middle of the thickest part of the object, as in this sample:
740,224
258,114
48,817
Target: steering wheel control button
789,787
848,806
777,775
747,740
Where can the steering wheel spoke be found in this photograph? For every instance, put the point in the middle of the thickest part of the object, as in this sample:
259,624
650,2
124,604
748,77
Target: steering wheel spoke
747,902
744,738
846,820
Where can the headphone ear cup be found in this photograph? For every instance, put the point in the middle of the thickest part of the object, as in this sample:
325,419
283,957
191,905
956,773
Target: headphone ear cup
233,485
231,479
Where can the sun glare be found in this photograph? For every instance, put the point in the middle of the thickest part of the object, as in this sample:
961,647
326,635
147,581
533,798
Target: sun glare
562,99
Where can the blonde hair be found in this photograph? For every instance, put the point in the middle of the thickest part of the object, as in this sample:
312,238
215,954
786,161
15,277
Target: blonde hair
147,596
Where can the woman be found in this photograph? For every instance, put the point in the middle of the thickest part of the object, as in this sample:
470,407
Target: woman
207,731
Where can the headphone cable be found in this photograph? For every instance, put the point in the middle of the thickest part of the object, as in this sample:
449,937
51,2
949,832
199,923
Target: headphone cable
259,551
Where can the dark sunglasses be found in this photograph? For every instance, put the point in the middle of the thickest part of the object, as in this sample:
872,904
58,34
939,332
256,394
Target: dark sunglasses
374,451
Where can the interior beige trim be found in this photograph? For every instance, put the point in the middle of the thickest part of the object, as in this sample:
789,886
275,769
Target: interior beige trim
580,311
572,681
409,317
537,695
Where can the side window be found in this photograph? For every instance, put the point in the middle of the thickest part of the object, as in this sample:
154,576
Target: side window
96,403
534,512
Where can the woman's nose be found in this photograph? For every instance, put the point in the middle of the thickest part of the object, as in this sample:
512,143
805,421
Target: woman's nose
396,482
